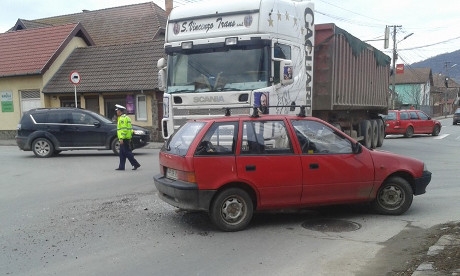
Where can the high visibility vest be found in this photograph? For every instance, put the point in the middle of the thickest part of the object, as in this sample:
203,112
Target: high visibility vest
124,128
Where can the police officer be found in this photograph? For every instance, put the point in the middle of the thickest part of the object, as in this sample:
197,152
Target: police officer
125,133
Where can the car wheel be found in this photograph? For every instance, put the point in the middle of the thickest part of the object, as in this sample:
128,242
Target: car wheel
375,133
409,132
394,197
231,210
366,133
436,130
42,147
115,146
381,129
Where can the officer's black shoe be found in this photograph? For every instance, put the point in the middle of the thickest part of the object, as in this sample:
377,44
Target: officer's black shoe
118,169
135,167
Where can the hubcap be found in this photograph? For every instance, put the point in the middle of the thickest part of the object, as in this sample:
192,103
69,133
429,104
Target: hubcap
391,197
42,148
232,209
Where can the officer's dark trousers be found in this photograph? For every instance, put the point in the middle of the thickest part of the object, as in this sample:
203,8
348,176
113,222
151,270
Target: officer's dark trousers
125,152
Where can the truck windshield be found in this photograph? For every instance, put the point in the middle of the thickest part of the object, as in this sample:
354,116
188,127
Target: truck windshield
222,69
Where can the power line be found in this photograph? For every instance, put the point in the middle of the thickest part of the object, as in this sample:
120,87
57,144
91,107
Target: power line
350,11
429,45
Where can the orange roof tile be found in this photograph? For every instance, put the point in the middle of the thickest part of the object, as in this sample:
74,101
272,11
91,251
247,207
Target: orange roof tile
31,52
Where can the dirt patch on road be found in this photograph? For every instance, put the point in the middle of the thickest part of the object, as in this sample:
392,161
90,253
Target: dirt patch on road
404,252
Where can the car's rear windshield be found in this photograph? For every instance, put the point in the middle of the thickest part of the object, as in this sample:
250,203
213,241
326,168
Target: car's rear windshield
391,116
180,142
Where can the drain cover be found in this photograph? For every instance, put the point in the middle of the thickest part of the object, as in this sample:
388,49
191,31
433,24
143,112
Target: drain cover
331,225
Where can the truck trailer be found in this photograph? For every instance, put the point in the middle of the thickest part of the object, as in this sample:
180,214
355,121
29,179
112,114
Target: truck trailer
269,55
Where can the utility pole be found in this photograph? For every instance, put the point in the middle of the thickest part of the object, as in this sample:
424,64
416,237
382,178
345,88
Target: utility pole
393,67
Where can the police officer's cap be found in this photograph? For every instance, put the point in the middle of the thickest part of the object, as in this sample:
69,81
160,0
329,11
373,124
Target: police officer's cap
120,107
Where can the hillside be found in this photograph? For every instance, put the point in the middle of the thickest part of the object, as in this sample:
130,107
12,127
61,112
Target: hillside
439,63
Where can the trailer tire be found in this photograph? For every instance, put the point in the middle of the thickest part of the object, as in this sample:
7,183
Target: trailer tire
366,132
381,128
375,133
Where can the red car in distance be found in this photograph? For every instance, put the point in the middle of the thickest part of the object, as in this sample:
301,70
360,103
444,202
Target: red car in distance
233,166
410,122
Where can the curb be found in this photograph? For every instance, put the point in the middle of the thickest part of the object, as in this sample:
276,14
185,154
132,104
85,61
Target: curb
427,268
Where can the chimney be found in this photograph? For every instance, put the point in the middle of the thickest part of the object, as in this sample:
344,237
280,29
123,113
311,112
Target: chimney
168,6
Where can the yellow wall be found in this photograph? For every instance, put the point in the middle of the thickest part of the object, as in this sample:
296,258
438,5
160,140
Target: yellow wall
10,120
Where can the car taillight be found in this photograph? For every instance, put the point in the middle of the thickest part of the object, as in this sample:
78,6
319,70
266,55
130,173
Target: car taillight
186,176
178,175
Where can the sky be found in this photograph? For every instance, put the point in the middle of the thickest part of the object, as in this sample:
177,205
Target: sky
433,26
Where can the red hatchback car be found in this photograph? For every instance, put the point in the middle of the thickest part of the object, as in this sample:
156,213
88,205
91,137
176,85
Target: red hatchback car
410,122
233,166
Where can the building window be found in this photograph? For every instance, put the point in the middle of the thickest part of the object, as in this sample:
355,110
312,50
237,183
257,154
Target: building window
141,107
30,100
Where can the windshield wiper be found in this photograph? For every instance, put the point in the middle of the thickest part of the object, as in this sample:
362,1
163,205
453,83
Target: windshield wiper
179,91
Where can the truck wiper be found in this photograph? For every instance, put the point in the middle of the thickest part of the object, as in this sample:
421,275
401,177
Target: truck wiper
180,91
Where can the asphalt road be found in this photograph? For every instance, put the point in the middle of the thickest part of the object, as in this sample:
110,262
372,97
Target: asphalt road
75,215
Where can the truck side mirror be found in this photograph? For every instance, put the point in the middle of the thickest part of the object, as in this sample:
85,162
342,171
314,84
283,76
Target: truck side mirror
286,72
162,65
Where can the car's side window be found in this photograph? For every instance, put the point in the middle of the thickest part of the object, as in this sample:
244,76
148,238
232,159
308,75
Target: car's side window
58,117
265,137
413,115
81,118
220,139
39,118
317,138
423,116
404,116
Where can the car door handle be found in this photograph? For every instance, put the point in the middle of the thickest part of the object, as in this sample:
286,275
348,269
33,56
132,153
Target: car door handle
250,168
314,166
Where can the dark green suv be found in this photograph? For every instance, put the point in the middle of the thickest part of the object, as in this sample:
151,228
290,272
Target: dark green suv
48,131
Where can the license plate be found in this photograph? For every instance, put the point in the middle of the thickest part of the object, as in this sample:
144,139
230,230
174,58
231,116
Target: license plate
171,173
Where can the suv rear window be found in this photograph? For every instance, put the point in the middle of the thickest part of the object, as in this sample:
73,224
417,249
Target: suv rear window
39,118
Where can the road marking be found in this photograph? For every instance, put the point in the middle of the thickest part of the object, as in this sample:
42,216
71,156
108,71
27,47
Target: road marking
441,136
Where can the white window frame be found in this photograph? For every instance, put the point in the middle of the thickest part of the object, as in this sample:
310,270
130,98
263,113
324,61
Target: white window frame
141,107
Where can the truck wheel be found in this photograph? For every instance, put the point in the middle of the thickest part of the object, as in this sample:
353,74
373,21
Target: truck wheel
394,197
375,133
381,129
42,148
409,132
366,133
115,146
436,130
231,210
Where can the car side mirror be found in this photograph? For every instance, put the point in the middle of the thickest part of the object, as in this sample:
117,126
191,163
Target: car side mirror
97,124
357,148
